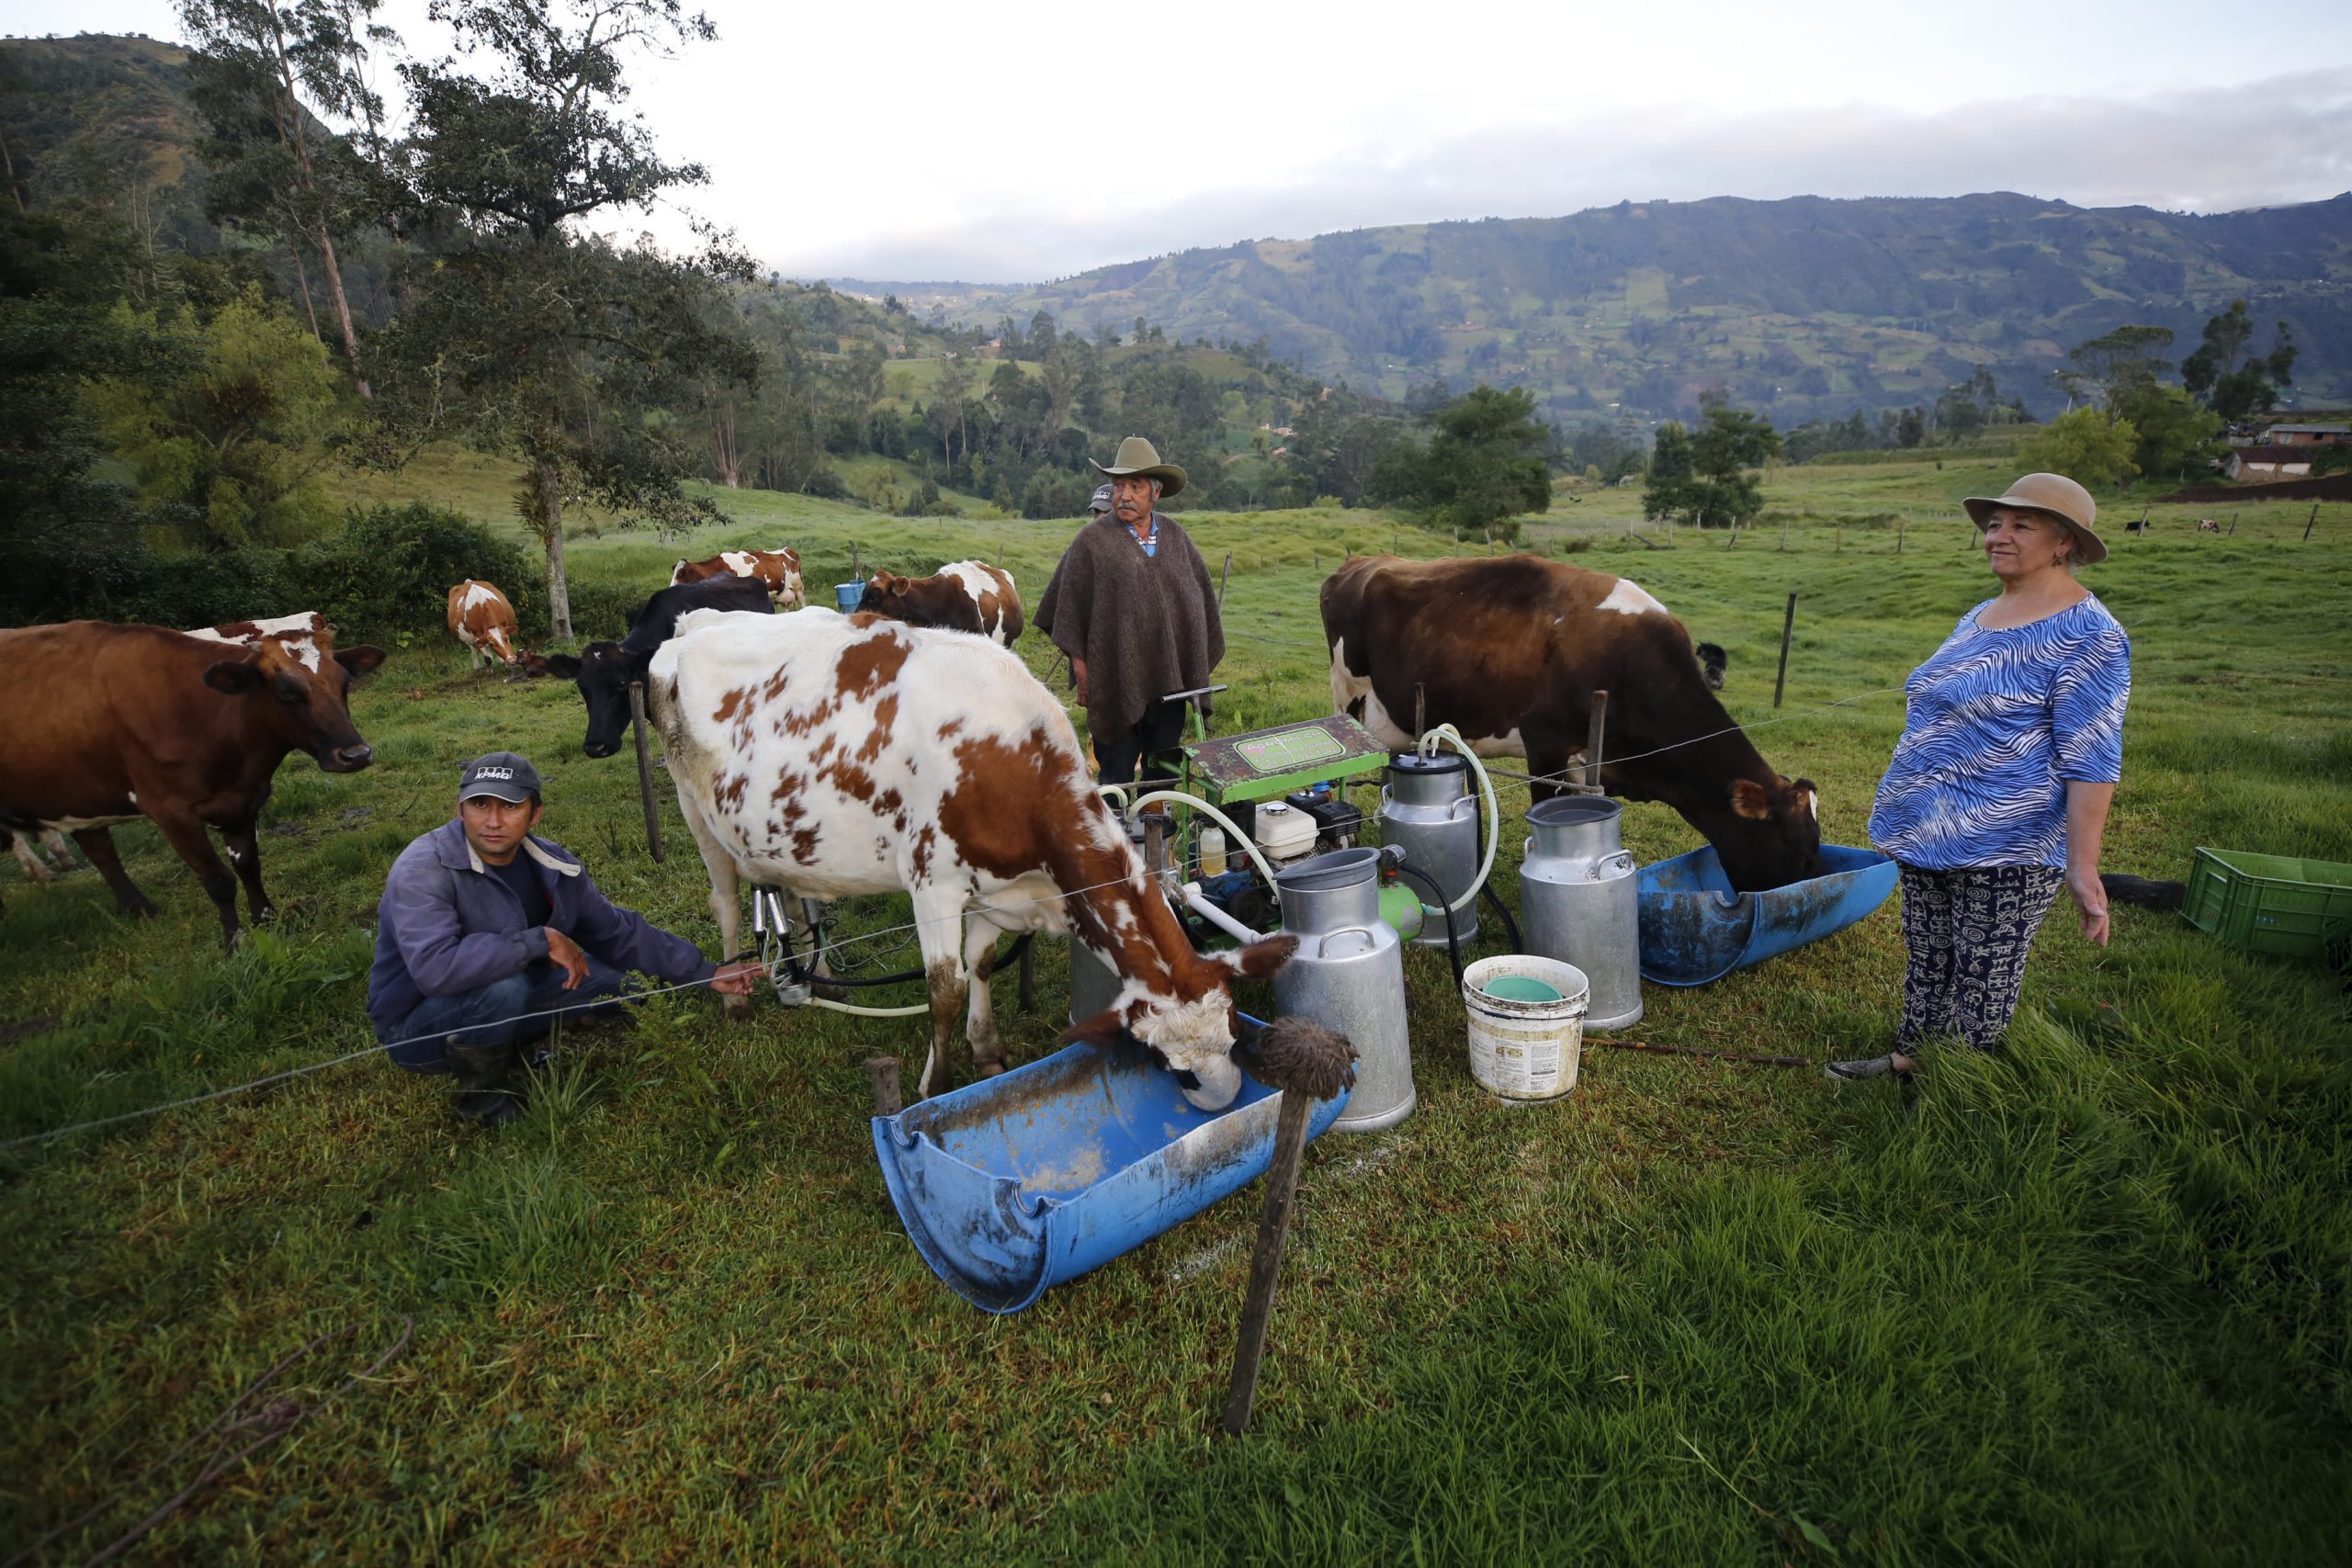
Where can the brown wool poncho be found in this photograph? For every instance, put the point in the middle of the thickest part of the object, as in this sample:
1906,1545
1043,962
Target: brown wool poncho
1145,625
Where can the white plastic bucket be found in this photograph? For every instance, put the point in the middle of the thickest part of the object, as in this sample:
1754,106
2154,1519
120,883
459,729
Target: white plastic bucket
1525,1050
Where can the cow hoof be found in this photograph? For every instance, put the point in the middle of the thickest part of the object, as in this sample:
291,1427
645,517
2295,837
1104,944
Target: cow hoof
991,1069
829,991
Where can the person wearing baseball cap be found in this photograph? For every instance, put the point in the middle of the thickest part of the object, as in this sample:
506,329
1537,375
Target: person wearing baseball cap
1997,794
1102,502
486,935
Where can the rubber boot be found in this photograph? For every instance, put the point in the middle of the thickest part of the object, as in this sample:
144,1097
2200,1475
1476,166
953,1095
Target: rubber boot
482,1072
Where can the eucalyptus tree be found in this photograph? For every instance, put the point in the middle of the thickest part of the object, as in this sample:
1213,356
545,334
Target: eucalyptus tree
260,73
526,333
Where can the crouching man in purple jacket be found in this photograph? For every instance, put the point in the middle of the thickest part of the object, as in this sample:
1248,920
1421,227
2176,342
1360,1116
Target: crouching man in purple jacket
486,935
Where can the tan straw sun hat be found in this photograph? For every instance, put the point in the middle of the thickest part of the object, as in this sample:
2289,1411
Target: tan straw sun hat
2053,495
1139,456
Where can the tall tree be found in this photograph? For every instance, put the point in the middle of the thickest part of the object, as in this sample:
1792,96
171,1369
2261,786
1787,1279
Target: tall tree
2113,364
2226,378
1704,478
256,64
1483,466
528,337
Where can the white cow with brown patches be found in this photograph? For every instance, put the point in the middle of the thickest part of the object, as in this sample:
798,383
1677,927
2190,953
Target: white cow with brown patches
483,622
308,636
832,755
777,570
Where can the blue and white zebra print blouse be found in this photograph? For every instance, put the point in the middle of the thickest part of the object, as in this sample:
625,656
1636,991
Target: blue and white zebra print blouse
1996,722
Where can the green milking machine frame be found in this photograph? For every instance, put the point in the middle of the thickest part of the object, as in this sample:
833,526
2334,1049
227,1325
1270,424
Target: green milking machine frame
1262,765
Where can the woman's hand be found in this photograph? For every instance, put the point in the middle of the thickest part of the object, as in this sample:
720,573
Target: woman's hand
2090,902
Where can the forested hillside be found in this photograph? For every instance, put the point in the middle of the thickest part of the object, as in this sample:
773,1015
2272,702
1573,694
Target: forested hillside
1804,308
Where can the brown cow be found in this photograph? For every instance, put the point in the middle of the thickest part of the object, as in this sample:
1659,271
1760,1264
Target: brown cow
1509,651
777,570
483,622
962,597
109,723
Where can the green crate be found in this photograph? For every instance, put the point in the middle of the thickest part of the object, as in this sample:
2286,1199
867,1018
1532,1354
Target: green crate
2269,903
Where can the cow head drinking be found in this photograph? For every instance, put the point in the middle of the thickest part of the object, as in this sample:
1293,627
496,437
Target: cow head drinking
306,710
1770,834
1191,1028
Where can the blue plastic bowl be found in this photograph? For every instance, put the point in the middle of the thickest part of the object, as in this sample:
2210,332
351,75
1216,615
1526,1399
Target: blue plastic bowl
846,595
1694,929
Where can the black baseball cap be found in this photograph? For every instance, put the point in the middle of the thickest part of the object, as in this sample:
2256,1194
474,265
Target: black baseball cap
502,774
1102,502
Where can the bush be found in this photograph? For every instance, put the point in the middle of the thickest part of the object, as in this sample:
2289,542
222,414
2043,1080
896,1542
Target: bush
599,610
391,568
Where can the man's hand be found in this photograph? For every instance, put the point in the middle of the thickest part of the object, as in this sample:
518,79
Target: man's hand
565,953
1078,675
736,979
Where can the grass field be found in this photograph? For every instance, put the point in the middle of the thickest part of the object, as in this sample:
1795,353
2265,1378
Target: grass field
2090,1303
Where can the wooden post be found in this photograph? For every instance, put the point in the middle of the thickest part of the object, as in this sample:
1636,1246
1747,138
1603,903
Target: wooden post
882,1072
1028,1002
1900,522
1223,577
1596,731
1154,847
857,572
1788,624
1306,1062
2309,521
1841,537
2234,524
1784,530
1266,1262
644,771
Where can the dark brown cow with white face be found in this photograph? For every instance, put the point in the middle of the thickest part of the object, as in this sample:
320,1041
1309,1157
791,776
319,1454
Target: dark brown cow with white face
962,597
831,755
109,723
776,571
1509,651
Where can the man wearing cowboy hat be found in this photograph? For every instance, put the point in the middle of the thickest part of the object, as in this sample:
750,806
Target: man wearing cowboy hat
1132,607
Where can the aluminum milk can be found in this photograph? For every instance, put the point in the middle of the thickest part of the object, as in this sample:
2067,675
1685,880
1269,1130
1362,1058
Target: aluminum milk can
1428,810
1578,902
1349,975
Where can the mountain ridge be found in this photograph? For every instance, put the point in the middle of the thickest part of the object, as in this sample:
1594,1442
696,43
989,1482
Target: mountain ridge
1804,306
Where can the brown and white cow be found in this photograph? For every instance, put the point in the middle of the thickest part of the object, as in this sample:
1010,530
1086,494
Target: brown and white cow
777,570
832,755
483,622
962,597
307,636
1509,651
109,722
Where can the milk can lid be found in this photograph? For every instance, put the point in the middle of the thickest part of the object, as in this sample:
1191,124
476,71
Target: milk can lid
1573,810
1438,763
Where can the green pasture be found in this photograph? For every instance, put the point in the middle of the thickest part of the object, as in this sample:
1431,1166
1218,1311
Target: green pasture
2092,1303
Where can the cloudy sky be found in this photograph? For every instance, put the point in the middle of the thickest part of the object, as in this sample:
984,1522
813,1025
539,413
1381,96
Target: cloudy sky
1032,139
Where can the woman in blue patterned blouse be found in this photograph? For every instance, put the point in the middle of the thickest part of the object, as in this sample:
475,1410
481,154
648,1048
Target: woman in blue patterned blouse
1998,791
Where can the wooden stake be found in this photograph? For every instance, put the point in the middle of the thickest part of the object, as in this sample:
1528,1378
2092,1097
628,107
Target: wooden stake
2234,524
1028,1002
857,573
882,1072
2309,521
1706,1051
1788,626
1223,577
1899,524
1784,530
1266,1262
1595,730
644,771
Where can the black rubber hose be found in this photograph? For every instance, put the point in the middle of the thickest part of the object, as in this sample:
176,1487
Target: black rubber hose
1453,942
1486,888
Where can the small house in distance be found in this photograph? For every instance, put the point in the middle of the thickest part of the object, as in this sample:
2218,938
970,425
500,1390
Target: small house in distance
2284,451
2307,436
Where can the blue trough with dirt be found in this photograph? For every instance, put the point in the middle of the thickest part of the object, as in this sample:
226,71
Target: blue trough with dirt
1018,1183
1694,929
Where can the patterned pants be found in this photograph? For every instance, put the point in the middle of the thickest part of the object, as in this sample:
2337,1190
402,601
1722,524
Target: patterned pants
1968,932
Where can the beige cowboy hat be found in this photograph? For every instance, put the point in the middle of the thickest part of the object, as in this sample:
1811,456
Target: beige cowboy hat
2053,495
1138,456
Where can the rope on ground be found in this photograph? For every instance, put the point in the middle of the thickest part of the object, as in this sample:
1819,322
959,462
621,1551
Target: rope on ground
267,1424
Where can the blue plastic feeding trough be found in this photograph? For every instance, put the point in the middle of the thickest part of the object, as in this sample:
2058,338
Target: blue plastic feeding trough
1017,1183
1695,928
